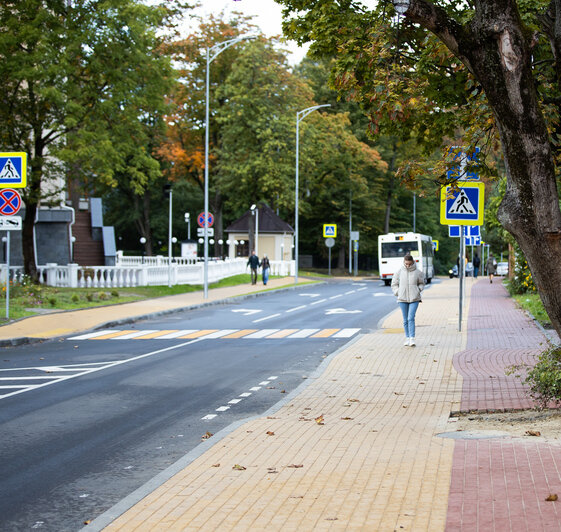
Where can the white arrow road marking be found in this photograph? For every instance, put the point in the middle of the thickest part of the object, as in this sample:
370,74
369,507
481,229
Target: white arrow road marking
247,311
341,311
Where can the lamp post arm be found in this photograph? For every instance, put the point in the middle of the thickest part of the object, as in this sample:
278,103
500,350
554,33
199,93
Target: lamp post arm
218,48
300,115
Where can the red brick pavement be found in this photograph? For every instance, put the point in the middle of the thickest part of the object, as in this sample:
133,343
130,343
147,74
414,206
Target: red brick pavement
500,484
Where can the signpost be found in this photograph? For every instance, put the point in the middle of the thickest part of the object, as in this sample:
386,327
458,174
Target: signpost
329,242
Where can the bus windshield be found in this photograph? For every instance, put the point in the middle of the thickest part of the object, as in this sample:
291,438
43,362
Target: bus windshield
399,249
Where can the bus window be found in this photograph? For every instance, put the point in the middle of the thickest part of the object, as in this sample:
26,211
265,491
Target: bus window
399,249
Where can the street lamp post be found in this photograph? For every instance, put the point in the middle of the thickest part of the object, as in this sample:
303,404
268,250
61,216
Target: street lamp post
211,54
169,234
300,115
143,242
188,221
255,212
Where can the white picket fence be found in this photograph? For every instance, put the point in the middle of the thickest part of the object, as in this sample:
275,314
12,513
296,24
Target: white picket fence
129,272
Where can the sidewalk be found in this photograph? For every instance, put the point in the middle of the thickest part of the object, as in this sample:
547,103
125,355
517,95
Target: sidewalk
367,443
71,322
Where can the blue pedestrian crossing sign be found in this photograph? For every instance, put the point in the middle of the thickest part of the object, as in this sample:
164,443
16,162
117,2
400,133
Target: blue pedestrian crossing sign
13,169
329,230
462,204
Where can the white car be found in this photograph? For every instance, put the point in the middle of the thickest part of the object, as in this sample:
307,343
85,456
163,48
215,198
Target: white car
502,268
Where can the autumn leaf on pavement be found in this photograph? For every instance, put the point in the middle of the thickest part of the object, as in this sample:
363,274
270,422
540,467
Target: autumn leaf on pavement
238,467
552,497
346,418
533,433
353,400
270,433
206,435
319,420
296,466
215,465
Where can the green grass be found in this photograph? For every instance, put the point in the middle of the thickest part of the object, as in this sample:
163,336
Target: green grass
30,299
533,304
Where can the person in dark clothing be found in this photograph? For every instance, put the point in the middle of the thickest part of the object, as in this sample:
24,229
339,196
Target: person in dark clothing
476,263
265,265
253,263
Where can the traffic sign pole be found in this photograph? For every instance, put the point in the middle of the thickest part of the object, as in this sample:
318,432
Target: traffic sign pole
7,275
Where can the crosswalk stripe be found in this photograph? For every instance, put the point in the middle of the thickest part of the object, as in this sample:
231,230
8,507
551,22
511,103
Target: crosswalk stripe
282,334
134,334
325,333
220,334
346,333
152,334
113,334
303,333
240,334
176,334
89,336
198,334
262,333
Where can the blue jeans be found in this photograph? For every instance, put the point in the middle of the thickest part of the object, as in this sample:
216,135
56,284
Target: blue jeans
408,310
265,275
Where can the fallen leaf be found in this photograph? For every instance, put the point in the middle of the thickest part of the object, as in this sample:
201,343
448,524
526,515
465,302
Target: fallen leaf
207,435
215,465
404,406
238,467
307,408
397,393
87,522
346,418
283,391
534,433
271,417
319,420
331,518
358,358
296,497
552,497
270,433
296,466
270,388
302,418
353,400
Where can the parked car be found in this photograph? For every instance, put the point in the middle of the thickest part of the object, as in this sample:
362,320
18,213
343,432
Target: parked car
502,268
453,272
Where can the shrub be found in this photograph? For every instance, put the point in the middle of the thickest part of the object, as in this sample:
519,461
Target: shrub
90,297
522,281
52,301
103,296
75,298
544,379
114,293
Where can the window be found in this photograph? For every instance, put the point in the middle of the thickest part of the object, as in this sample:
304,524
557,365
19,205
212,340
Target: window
399,249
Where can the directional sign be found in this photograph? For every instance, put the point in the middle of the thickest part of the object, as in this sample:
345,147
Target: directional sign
329,230
201,219
10,201
463,205
469,230
10,223
13,169
473,240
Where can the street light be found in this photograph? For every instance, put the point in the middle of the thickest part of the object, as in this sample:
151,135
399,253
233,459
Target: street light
300,115
211,54
188,222
401,6
143,241
255,212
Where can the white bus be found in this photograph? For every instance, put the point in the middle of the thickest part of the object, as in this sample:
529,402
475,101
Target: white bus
394,246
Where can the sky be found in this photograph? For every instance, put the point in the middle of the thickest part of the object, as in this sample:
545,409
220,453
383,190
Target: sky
268,17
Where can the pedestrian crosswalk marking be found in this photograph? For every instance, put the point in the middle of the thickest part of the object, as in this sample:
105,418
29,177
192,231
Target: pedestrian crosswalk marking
212,334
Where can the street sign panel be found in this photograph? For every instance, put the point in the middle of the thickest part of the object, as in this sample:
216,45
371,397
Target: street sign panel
355,235
10,223
463,204
10,201
201,219
469,230
201,231
435,245
330,230
329,242
13,169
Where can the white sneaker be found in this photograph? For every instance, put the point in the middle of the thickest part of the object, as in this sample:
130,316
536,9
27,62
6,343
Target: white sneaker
407,341
412,341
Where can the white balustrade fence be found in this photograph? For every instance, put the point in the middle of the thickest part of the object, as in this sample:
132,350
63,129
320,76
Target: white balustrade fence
132,273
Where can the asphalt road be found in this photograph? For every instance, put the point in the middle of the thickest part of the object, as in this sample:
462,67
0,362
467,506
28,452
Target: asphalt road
85,421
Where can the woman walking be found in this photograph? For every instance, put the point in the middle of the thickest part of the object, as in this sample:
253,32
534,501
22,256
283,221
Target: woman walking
491,267
407,284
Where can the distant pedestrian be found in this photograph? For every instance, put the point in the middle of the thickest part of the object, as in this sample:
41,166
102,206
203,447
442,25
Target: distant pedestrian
265,266
476,263
253,263
407,284
491,267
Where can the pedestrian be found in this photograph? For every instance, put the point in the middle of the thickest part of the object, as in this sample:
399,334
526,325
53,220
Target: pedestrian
491,267
476,263
265,266
407,284
253,263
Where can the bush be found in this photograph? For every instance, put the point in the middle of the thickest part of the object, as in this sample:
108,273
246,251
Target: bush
114,293
75,298
544,379
522,281
52,301
103,296
90,297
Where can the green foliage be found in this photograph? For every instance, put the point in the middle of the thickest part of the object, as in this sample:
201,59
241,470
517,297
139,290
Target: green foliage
522,282
544,379
531,302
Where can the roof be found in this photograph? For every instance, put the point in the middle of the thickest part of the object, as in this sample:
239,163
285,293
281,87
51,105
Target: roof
269,222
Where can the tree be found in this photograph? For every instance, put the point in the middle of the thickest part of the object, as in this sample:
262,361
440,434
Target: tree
487,67
81,82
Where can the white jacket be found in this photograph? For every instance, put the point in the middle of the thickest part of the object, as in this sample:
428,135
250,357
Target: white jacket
408,283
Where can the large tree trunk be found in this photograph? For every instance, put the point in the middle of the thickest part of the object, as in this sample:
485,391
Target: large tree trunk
495,47
32,195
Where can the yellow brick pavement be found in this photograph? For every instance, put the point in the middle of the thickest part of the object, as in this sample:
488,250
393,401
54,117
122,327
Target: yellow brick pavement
374,464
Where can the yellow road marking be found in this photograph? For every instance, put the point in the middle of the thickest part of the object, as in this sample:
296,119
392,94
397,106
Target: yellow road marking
325,333
153,334
282,333
240,334
198,334
113,335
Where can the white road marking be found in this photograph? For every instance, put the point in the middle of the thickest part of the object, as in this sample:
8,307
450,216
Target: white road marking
255,388
246,311
335,297
318,301
245,394
219,334
309,295
383,295
222,408
296,308
91,335
304,333
341,311
266,318
209,416
361,289
273,378
263,383
350,292
346,333
134,334
262,333
234,401
176,334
